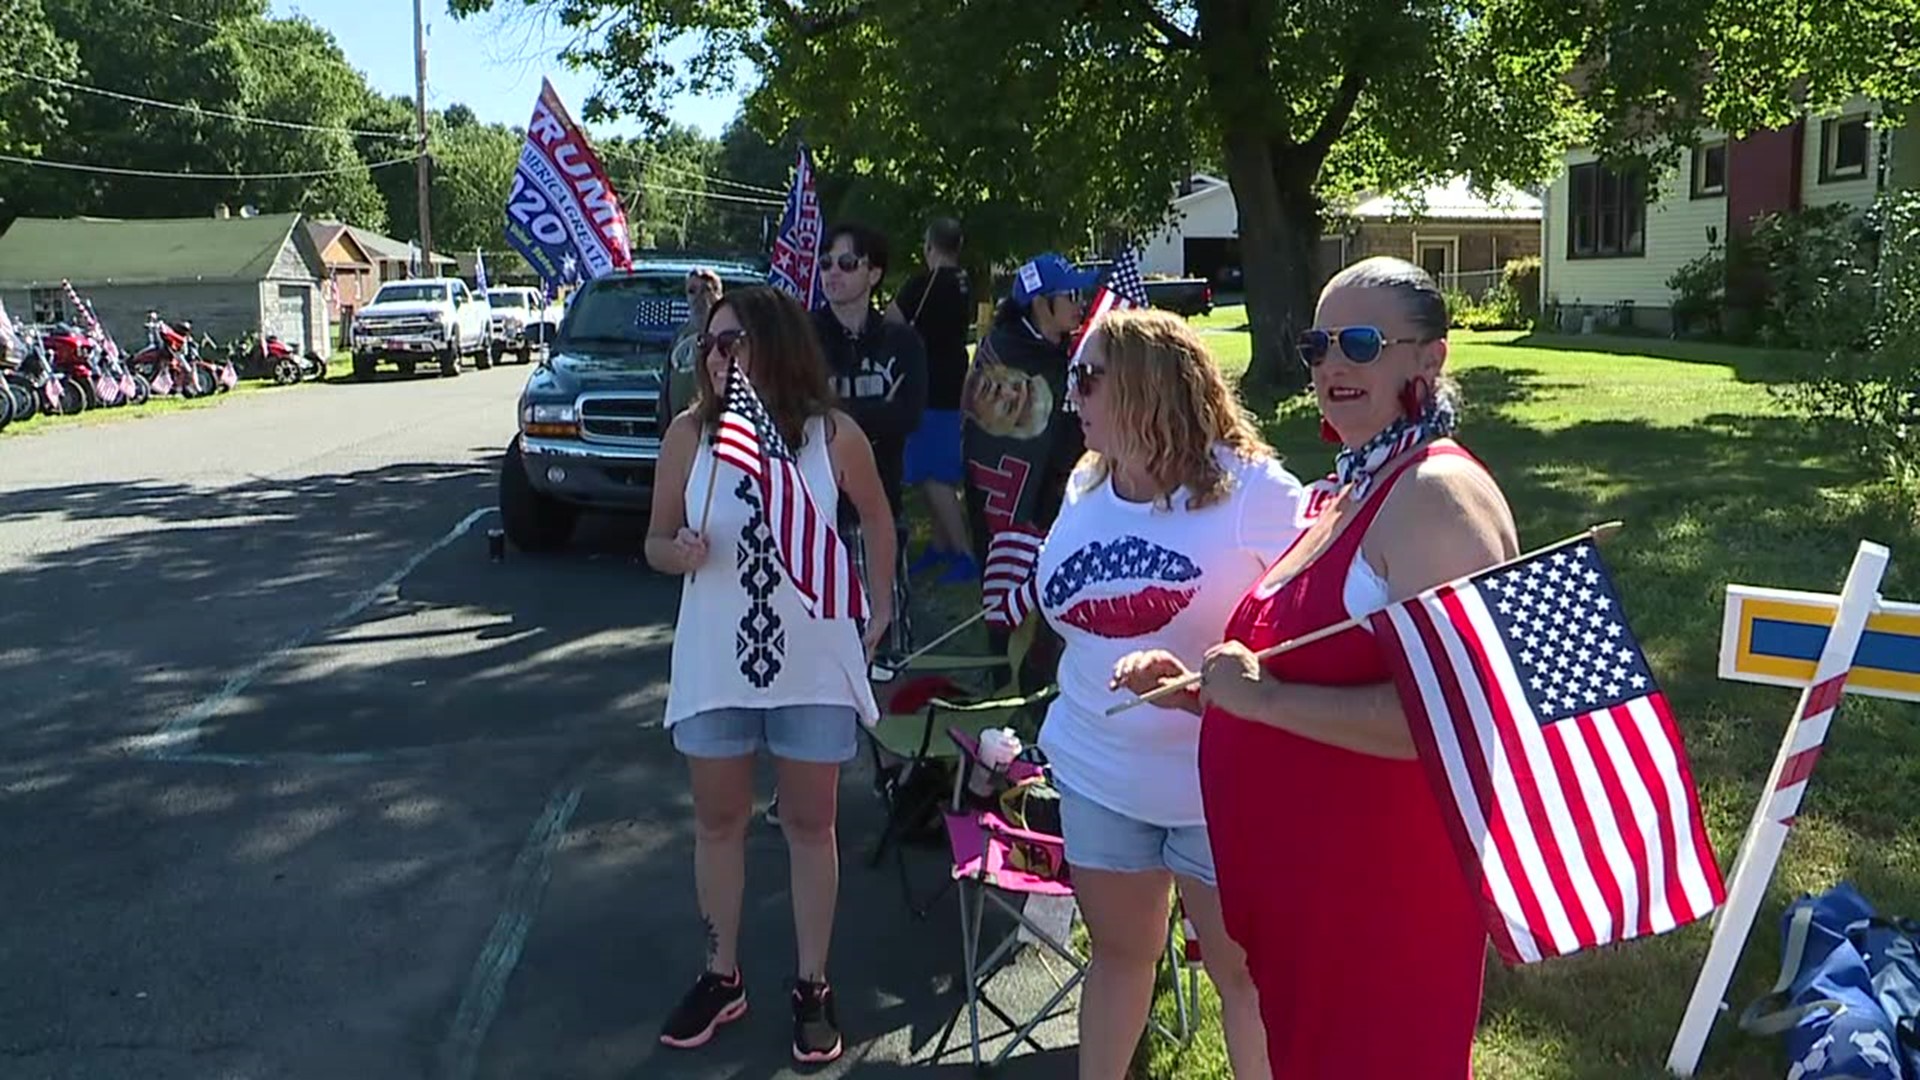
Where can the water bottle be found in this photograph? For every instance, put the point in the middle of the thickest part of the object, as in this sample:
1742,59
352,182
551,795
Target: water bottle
998,748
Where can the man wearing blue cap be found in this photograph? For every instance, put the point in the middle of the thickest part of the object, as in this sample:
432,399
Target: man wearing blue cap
1020,441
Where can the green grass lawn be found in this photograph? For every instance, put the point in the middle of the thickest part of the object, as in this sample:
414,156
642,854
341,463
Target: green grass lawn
154,407
1716,485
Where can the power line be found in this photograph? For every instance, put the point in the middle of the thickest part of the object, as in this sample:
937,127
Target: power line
246,36
73,166
183,107
639,158
650,186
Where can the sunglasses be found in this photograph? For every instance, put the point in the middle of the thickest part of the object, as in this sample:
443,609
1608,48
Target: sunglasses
728,341
846,262
1082,378
1359,344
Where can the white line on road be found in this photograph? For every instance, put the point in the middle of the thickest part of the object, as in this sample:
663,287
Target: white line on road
178,734
487,986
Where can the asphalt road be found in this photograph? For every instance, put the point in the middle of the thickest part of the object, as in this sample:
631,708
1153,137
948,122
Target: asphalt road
295,782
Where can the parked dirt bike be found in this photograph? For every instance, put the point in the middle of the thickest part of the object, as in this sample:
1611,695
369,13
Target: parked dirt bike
79,358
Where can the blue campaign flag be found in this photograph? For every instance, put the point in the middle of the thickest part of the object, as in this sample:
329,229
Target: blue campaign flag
796,249
563,215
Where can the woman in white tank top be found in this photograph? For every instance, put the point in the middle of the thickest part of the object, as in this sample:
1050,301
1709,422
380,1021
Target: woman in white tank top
752,667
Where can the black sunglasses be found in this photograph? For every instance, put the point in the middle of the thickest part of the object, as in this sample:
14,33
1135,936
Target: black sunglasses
847,263
728,341
1083,377
1359,344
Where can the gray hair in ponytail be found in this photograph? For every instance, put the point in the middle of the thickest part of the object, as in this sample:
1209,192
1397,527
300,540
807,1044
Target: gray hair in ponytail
1419,296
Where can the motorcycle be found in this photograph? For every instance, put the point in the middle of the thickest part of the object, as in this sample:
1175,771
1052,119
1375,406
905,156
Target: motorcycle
52,391
170,363
79,358
275,359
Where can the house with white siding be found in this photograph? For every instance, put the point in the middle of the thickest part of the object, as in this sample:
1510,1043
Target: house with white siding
1611,238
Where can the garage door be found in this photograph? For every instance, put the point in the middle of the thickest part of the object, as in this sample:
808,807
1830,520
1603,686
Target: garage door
291,316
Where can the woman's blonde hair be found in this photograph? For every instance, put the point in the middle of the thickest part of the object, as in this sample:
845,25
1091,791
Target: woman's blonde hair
1170,406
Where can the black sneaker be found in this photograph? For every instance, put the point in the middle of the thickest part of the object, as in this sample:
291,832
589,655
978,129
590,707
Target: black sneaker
816,1030
714,1000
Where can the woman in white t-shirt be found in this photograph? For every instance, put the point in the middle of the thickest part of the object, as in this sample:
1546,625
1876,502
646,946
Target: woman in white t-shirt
1177,508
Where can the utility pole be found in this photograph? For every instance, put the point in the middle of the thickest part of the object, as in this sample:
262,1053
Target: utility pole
421,165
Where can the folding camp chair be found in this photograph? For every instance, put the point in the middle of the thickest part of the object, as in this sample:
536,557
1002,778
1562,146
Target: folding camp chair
912,765
996,861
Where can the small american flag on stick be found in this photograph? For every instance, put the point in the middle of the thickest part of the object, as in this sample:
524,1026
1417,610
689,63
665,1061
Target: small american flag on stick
1555,758
1010,584
1123,288
817,562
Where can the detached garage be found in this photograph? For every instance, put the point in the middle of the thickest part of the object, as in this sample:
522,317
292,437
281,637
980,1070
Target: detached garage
230,275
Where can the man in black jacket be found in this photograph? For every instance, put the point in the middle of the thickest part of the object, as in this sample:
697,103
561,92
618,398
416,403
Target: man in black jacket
879,370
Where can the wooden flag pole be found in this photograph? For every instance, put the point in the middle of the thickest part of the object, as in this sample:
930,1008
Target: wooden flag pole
1595,533
934,644
1779,803
713,477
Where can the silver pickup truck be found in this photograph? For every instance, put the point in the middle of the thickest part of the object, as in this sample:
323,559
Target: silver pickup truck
593,411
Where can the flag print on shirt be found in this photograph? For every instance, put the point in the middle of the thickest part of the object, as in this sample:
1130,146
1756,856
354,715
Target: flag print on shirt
1161,584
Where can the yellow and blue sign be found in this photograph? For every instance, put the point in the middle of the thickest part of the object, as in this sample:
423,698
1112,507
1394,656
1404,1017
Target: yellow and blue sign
1775,636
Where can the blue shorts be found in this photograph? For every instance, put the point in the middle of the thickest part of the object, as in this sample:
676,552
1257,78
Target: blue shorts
1102,839
818,734
933,450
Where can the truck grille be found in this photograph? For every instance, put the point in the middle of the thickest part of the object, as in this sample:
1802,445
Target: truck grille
620,418
410,324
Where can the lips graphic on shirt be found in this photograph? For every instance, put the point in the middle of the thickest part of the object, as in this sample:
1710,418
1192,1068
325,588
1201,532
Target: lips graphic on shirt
1159,584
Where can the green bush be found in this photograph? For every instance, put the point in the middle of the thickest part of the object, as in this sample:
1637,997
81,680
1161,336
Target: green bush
1864,376
1521,278
1804,280
1700,292
1511,304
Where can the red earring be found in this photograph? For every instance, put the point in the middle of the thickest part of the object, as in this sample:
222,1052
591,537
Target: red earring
1413,397
1327,434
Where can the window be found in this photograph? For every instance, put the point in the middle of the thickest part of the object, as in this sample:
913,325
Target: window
1607,213
1843,149
1710,170
47,305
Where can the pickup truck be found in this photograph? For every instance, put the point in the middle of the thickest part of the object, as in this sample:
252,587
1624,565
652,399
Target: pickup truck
592,412
1183,296
422,319
520,320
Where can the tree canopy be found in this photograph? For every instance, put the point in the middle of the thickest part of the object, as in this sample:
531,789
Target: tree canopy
1061,122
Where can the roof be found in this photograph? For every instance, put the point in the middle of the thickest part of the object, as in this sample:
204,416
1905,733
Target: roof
386,247
152,251
1203,185
1451,201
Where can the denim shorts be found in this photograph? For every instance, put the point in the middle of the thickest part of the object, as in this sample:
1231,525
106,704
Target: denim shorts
818,734
1099,838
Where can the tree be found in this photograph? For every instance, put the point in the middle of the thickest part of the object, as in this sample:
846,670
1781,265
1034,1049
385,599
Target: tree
1041,121
31,110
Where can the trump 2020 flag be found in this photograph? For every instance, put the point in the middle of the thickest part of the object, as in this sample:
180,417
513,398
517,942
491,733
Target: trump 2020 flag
562,212
1555,759
817,562
795,263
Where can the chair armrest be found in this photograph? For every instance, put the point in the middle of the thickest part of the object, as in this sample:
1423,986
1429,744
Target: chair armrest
994,704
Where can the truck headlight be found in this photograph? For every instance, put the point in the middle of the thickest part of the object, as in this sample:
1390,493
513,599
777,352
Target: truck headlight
554,420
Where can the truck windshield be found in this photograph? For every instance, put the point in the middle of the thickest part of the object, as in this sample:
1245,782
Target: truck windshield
629,309
402,294
498,298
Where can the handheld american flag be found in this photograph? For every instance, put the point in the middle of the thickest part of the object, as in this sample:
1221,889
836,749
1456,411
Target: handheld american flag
1122,289
1553,753
1009,583
795,263
817,562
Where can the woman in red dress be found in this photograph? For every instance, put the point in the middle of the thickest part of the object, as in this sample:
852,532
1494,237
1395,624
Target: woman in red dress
1337,874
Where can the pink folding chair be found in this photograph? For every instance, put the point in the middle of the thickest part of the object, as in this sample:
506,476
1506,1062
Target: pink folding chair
998,862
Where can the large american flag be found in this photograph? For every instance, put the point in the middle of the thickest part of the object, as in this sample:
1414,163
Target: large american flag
1010,582
1123,288
795,262
1556,759
817,562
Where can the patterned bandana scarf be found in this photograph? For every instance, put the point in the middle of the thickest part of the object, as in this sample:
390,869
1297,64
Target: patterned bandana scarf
1360,467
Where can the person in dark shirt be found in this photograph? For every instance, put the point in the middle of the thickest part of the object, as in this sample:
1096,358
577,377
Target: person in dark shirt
879,370
938,302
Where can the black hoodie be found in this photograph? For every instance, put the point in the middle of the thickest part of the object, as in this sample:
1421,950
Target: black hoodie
880,375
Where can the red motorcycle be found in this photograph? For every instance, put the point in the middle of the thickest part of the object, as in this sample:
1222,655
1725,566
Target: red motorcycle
169,363
275,359
82,361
